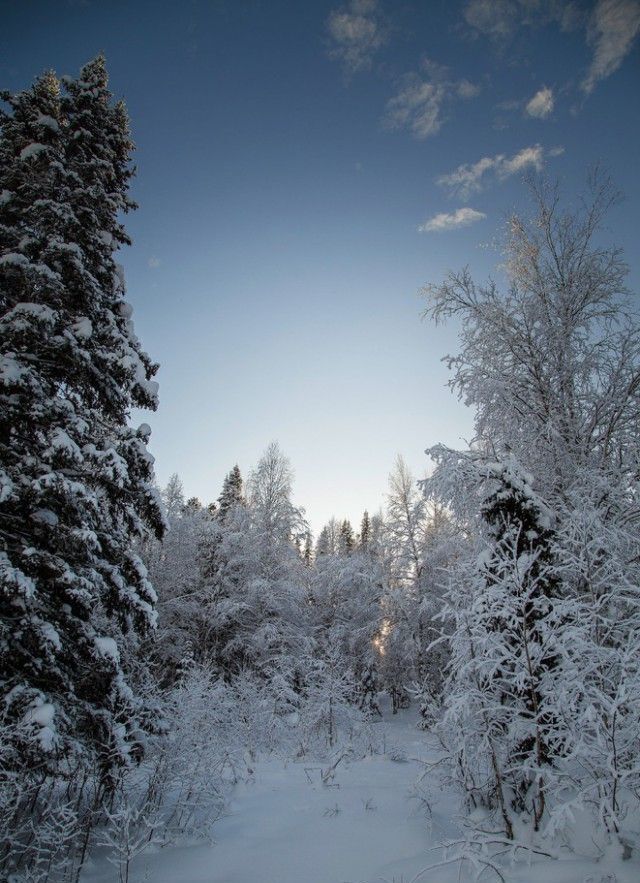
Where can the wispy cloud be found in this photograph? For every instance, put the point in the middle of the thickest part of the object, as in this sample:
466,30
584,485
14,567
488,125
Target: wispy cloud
467,89
613,27
356,34
153,263
462,217
473,177
418,106
468,178
541,105
529,157
500,19
494,18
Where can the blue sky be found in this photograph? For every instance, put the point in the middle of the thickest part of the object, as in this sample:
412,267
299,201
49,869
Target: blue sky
304,168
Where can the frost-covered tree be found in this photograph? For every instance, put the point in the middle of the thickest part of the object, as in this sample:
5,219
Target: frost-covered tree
404,528
544,677
550,364
405,524
173,497
227,561
307,552
173,568
275,590
599,571
328,542
253,579
77,480
503,687
444,541
328,697
346,615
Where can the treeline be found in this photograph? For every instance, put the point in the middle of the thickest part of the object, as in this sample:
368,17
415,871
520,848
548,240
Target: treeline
244,591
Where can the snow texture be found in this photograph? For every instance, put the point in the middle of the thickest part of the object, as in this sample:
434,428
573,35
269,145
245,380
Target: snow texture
32,150
369,825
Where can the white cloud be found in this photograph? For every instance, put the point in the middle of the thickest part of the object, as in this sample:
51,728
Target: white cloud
462,217
153,263
466,179
613,27
541,105
529,157
418,105
471,178
356,34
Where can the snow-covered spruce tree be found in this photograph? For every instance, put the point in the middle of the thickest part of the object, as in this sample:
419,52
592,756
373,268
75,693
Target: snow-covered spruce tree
552,367
231,494
328,542
501,696
76,480
364,537
347,537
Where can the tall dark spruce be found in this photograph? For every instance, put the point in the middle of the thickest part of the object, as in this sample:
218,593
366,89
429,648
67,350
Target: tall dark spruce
76,486
231,494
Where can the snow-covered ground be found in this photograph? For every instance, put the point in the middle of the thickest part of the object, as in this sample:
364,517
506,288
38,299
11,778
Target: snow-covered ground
284,825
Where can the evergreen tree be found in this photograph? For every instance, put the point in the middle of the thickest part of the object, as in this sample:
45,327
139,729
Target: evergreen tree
514,603
347,538
193,505
365,532
323,542
76,480
231,494
328,542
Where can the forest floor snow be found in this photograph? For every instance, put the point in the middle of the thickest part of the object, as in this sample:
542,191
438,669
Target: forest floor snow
284,825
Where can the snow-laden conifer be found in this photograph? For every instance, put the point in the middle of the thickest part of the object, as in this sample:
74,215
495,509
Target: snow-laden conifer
76,478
